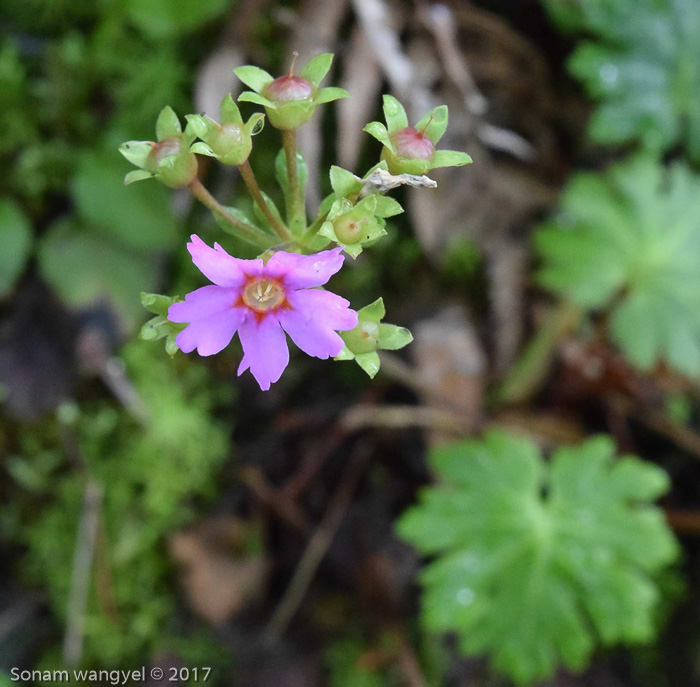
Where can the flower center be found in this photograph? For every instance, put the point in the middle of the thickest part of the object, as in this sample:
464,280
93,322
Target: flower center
263,295
413,144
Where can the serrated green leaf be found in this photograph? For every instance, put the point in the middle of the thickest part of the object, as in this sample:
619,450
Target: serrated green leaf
435,124
536,578
16,240
642,68
167,124
253,77
394,113
629,241
317,67
140,214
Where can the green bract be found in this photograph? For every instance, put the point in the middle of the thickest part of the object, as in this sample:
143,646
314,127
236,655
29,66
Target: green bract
642,68
629,241
370,335
536,562
290,100
159,327
231,141
411,150
169,159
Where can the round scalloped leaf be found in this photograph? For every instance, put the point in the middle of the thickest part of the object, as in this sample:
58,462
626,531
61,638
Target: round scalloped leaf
643,71
16,239
629,241
536,562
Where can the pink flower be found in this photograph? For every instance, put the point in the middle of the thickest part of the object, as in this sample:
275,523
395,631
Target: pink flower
262,301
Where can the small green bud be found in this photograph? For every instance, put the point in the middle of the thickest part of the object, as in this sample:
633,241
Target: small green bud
364,338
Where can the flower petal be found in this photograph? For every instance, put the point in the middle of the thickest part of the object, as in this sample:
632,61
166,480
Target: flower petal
324,307
265,350
218,266
304,271
202,303
312,337
210,334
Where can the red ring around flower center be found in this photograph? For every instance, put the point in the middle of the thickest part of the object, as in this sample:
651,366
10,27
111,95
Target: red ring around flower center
263,295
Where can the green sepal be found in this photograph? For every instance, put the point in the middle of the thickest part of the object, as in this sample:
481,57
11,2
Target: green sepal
345,354
202,148
450,158
137,175
255,124
136,152
157,303
395,114
386,206
327,95
392,338
379,131
229,112
253,77
374,312
250,97
343,182
434,128
369,362
316,68
167,124
202,126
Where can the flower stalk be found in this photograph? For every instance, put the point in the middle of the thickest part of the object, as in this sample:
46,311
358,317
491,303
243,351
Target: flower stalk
255,192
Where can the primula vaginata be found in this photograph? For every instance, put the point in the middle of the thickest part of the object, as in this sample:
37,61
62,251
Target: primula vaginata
261,301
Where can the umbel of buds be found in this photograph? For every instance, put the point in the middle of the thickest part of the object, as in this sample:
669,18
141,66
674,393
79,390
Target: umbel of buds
231,141
411,149
168,159
290,100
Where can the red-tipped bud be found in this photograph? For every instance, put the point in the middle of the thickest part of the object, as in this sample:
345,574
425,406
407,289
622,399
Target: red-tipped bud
411,144
289,88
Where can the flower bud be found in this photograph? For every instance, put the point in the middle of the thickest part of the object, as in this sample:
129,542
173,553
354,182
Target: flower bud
363,339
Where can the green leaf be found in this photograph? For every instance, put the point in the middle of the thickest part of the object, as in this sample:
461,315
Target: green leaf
156,303
171,18
283,180
642,69
316,68
327,95
253,77
273,208
536,562
240,216
629,241
16,239
435,124
140,214
394,113
450,158
167,124
392,338
86,267
229,112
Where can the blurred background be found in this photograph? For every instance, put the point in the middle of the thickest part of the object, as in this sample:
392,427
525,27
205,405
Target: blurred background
154,511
